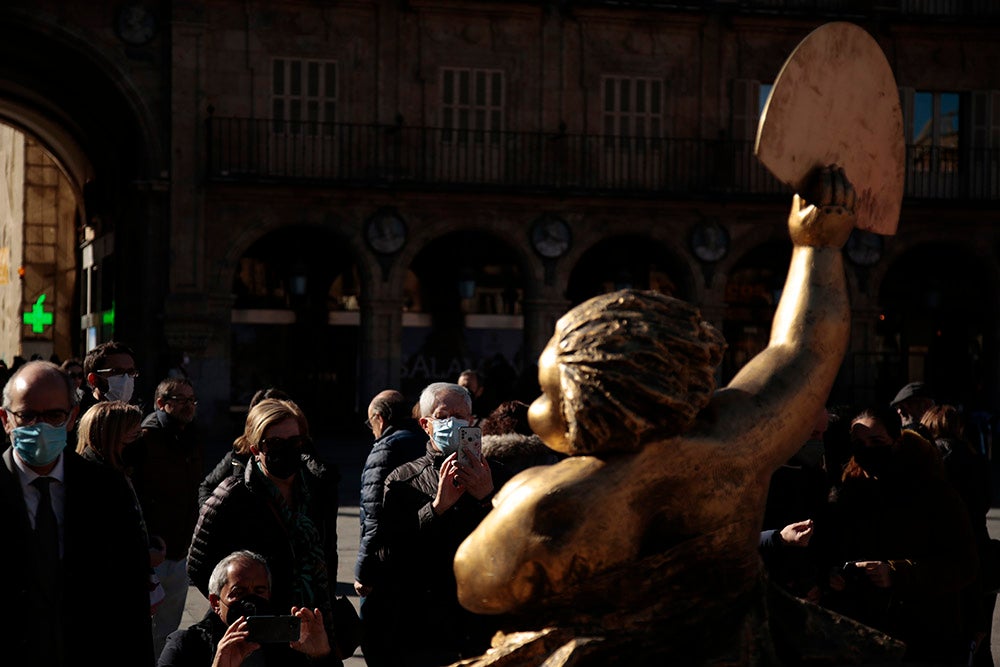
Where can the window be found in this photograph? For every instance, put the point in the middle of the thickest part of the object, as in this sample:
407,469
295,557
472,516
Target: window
633,108
304,96
932,121
748,100
471,104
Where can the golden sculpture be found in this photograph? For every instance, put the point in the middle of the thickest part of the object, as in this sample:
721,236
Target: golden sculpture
641,547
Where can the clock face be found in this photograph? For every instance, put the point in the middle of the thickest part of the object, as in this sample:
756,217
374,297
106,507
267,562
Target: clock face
135,24
551,237
385,232
864,248
710,241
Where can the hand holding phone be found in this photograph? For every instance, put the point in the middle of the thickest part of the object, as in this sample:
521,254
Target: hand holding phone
269,629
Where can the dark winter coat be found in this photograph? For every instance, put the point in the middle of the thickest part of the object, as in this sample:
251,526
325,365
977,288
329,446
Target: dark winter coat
231,464
100,596
241,514
398,445
168,465
421,548
195,647
911,517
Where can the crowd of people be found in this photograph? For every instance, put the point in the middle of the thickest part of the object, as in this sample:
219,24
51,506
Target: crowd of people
880,516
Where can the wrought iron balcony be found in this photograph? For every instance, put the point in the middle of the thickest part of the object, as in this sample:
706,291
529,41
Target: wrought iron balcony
904,10
349,155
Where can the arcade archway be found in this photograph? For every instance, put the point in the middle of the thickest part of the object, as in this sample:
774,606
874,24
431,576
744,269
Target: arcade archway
463,305
295,324
937,323
628,262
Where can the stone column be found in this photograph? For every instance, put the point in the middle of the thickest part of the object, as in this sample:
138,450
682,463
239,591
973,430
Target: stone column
200,325
380,346
540,317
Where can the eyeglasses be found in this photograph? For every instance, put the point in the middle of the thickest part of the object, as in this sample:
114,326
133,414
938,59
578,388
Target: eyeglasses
50,417
293,442
183,400
115,372
368,423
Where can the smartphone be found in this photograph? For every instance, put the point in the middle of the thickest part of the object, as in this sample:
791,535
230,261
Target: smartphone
267,629
469,438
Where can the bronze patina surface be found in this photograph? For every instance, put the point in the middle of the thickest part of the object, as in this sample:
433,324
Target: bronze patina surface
641,546
835,101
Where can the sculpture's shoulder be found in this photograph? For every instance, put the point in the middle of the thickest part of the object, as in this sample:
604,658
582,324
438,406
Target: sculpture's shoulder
536,482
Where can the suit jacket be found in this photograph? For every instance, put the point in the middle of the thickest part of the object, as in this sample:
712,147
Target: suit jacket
95,609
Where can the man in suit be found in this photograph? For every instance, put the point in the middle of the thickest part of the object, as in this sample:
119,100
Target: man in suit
76,568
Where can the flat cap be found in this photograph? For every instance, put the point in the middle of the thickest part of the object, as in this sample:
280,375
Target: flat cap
911,390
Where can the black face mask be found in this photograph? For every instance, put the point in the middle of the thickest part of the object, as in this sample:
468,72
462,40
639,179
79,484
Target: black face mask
282,462
251,605
874,460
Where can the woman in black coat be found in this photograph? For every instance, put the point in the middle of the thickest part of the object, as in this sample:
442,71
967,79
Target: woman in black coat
283,506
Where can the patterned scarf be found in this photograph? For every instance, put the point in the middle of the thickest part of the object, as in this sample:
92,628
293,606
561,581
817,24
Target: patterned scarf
310,579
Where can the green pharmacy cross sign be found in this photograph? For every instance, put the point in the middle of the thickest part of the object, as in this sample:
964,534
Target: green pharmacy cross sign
38,318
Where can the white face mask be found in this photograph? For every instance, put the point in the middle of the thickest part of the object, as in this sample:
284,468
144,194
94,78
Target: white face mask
120,388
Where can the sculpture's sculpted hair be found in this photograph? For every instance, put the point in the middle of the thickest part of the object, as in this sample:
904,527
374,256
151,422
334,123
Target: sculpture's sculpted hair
633,363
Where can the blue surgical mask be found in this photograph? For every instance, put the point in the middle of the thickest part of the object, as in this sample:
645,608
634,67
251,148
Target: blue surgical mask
445,434
39,444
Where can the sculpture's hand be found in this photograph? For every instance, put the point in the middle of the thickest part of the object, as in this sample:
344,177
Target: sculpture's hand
828,221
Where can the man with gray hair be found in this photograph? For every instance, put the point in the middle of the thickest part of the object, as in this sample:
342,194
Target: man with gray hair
430,506
238,587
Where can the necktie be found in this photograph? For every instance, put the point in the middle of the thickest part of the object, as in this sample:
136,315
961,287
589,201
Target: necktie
46,526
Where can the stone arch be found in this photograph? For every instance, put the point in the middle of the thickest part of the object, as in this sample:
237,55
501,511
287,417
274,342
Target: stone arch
938,322
75,98
630,260
296,318
466,310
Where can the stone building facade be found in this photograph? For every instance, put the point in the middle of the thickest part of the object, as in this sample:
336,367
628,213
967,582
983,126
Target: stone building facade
339,197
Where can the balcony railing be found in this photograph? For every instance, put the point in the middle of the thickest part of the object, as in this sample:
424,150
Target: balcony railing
258,150
884,9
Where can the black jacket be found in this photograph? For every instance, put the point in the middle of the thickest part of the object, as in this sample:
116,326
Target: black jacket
101,595
396,447
241,514
168,466
231,464
195,647
421,546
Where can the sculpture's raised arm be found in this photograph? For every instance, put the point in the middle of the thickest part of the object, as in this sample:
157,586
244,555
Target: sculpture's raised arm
772,400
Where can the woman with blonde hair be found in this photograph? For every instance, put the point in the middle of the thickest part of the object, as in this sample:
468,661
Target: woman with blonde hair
104,433
283,506
235,460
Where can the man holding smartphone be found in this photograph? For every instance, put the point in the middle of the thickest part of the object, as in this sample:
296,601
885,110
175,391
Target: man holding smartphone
430,506
240,624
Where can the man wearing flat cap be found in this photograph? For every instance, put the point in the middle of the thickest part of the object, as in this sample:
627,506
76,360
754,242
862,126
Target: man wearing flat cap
912,401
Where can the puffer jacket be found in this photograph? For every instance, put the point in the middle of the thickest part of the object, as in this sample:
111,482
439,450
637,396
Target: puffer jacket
241,514
398,445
